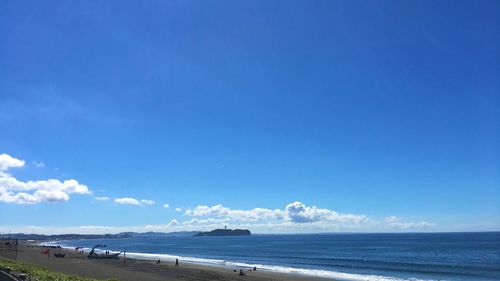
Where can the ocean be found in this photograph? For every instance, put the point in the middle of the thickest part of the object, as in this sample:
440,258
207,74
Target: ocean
352,257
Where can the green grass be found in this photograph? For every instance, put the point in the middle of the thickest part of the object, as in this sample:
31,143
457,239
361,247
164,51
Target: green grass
39,273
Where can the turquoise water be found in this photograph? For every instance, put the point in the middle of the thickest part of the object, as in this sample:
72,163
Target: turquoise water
369,257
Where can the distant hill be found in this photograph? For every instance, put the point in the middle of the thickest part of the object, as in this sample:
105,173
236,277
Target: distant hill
155,234
225,232
23,236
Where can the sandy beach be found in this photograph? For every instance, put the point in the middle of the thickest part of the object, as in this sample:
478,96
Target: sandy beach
137,270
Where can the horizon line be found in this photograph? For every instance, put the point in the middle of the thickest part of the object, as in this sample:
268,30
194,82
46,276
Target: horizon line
292,233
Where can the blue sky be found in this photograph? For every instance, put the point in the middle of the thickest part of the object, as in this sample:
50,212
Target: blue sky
279,116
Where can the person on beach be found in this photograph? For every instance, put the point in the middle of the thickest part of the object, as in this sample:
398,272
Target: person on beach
242,273
158,261
46,252
176,262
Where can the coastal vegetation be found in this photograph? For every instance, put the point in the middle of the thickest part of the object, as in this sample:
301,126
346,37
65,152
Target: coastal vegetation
39,273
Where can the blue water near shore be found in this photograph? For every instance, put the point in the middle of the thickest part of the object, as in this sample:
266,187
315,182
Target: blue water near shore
364,257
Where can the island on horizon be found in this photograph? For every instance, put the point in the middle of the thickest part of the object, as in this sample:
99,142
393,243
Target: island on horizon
225,232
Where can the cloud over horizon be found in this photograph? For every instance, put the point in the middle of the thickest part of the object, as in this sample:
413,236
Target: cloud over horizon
295,216
295,212
396,222
16,191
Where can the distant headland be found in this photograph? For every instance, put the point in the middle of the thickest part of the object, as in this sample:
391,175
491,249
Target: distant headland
23,236
216,232
225,232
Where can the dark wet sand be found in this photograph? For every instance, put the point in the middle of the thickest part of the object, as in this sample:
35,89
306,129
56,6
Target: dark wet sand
139,270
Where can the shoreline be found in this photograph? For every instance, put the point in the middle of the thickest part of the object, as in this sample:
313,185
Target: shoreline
218,263
142,269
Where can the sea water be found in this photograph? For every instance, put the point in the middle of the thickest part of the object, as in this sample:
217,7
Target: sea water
353,257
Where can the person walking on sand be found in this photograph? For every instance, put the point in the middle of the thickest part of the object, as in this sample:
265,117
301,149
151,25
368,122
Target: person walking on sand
46,252
176,262
158,261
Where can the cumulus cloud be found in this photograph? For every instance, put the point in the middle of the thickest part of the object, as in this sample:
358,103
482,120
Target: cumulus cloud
15,191
178,209
133,201
283,225
295,216
300,213
7,162
166,206
239,215
295,212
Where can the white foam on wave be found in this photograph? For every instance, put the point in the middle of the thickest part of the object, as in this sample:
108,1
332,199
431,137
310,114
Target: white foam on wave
338,276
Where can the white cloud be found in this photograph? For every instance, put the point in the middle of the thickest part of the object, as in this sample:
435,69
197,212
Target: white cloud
296,212
101,198
173,223
239,215
147,202
52,195
398,223
166,206
39,164
15,191
392,219
7,161
127,201
133,201
283,225
300,213
296,216
178,209
17,198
